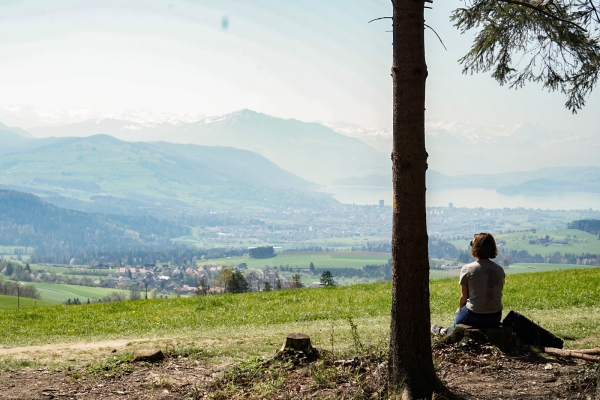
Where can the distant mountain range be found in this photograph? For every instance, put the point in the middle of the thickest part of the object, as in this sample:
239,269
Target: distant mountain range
96,172
457,148
461,155
309,150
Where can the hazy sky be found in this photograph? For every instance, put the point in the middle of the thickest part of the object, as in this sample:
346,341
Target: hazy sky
309,59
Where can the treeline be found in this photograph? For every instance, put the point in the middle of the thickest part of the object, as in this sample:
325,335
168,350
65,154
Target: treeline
587,225
382,271
315,249
9,288
441,249
556,258
438,248
377,247
262,252
173,254
16,272
506,258
12,288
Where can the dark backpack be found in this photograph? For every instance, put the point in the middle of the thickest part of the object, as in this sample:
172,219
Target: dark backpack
529,332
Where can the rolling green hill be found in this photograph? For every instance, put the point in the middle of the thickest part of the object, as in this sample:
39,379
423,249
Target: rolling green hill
102,173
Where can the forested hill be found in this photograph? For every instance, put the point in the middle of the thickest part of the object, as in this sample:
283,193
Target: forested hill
588,225
26,220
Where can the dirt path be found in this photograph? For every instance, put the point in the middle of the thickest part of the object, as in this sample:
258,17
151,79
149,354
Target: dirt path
114,344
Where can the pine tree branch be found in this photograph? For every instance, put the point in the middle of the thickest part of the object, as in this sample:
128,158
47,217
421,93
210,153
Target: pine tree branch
544,12
438,36
376,19
595,10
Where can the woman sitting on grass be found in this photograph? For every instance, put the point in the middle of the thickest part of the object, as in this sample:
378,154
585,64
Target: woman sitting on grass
482,281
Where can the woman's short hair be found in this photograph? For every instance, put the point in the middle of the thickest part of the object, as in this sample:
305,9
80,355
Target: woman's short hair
484,246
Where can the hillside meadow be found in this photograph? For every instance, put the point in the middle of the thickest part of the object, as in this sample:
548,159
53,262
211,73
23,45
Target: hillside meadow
565,302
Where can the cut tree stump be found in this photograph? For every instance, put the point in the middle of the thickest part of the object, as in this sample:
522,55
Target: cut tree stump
297,342
150,356
504,340
298,347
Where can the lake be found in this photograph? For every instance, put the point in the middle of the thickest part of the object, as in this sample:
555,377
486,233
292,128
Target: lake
469,198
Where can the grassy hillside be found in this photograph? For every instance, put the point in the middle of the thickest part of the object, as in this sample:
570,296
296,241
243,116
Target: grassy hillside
565,302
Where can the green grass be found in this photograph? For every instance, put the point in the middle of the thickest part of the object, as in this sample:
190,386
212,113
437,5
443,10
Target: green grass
10,302
59,293
565,302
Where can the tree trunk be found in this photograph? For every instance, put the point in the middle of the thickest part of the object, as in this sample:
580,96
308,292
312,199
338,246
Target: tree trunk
411,370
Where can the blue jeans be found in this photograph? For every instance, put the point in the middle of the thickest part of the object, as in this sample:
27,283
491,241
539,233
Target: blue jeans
467,317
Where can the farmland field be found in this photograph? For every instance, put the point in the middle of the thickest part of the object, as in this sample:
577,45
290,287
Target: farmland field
58,293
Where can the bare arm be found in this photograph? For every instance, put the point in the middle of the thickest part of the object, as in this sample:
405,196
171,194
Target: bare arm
464,295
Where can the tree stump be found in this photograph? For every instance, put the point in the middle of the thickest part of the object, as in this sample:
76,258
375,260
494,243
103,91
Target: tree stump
297,342
504,340
150,356
298,346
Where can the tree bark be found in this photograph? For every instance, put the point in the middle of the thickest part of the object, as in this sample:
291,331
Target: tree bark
410,369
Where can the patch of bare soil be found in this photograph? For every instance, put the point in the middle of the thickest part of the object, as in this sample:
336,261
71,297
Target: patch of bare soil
472,371
483,372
